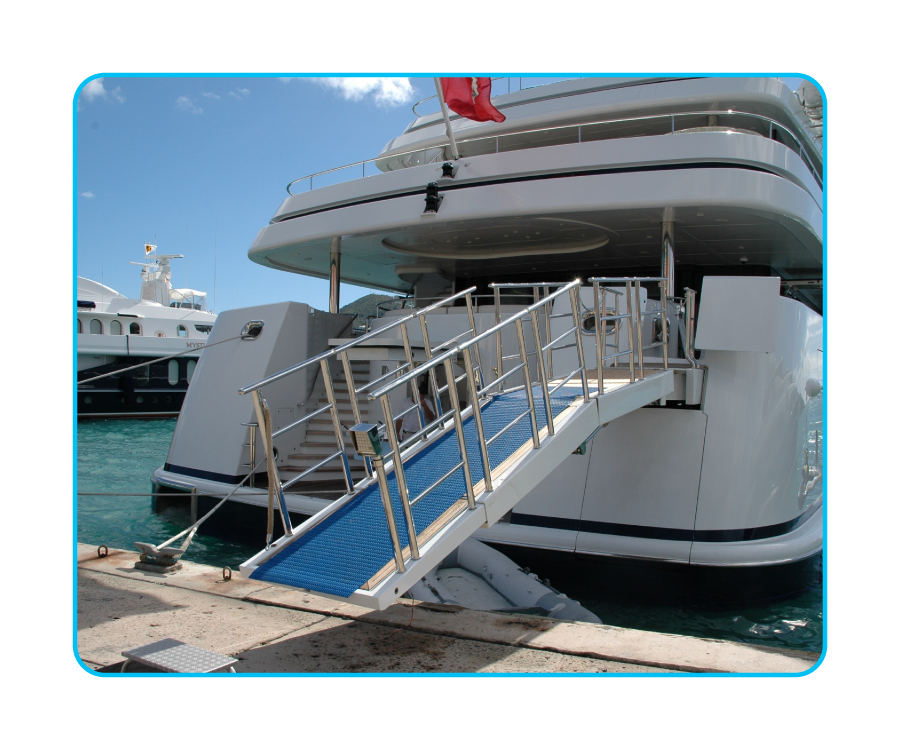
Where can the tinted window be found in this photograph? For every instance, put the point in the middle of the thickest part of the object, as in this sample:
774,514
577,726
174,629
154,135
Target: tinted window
96,326
174,374
115,328
182,331
135,329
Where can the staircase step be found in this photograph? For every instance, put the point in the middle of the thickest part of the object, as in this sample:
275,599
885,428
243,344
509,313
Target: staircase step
314,450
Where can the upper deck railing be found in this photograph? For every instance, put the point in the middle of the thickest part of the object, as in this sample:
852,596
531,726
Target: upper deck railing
725,121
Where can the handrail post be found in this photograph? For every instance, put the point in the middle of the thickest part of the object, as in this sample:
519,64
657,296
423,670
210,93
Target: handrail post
383,488
401,479
600,333
404,332
629,311
535,433
499,336
336,423
664,288
640,325
575,297
476,415
617,329
690,320
432,375
542,373
263,414
478,364
460,436
354,402
547,312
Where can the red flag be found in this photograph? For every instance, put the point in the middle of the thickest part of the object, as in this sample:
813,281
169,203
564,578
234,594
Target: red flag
471,98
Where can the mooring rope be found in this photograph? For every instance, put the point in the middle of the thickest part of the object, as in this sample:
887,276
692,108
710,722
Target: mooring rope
192,529
154,361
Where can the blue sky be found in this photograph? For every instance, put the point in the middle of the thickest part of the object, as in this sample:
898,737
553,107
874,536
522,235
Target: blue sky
197,165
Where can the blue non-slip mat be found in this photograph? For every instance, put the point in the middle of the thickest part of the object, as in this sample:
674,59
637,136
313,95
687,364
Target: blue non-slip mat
350,546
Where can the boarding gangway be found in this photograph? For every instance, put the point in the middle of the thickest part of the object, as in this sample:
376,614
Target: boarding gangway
498,434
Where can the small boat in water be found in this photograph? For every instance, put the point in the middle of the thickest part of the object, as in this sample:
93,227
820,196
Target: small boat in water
116,334
476,576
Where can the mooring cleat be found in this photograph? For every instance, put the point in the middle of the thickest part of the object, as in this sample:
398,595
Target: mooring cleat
157,560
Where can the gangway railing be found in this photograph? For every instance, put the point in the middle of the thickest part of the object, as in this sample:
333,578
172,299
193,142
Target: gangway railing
342,353
477,391
469,462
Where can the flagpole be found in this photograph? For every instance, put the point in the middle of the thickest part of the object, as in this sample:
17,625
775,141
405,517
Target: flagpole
440,92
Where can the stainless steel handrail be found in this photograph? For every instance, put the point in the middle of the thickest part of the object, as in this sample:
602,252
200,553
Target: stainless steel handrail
469,352
351,344
633,305
341,353
769,122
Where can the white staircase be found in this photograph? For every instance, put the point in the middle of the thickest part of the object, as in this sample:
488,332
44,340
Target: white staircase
320,440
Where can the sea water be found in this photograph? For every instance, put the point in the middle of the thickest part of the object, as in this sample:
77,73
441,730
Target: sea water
115,459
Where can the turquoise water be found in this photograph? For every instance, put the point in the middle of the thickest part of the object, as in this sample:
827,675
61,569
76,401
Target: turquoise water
119,455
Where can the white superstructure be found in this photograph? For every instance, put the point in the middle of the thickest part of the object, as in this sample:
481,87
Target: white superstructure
713,184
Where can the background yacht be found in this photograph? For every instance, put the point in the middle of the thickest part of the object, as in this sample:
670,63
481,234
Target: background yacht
114,332
697,203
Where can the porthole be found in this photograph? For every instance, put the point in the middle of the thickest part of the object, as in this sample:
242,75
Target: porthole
140,399
182,331
115,328
168,399
174,374
88,400
96,326
589,322
191,366
135,329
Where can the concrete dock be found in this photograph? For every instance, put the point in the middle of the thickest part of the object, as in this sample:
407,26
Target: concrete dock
272,629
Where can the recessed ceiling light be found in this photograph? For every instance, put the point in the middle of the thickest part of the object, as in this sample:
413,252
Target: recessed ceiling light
649,236
700,213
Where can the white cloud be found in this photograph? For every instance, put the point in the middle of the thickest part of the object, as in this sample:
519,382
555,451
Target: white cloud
210,95
87,194
186,104
239,93
96,90
93,90
386,92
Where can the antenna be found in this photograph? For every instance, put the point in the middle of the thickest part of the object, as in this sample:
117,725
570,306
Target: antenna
215,259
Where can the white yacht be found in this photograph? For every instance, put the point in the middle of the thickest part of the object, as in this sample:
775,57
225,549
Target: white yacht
114,333
669,230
